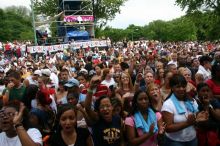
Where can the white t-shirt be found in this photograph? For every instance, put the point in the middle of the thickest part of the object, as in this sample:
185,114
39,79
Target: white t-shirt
31,81
54,79
186,134
34,134
108,83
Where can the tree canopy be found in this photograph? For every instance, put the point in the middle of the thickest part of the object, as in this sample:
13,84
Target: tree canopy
202,5
194,26
103,9
15,24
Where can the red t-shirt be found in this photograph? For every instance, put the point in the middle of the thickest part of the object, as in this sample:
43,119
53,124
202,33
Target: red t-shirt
7,47
100,91
214,87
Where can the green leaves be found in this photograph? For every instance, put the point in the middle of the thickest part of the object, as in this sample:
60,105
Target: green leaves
48,7
103,9
194,26
201,5
15,24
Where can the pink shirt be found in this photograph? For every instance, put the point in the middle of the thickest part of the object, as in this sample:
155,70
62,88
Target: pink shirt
149,142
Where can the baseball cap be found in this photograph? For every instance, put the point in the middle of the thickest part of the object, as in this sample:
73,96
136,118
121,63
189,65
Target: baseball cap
83,70
92,72
46,72
37,72
72,82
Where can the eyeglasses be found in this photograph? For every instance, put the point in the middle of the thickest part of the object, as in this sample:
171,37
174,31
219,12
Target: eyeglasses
124,77
6,115
105,107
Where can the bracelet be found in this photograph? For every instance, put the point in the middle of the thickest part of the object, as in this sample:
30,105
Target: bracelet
89,91
210,106
137,83
18,125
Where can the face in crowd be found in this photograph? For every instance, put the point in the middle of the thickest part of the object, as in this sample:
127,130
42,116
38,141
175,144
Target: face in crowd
67,119
140,101
149,78
65,76
105,108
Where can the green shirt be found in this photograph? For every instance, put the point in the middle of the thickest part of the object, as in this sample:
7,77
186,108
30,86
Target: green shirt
17,93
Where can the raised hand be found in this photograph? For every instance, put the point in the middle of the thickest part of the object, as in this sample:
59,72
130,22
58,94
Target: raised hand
162,128
191,119
94,82
18,115
202,116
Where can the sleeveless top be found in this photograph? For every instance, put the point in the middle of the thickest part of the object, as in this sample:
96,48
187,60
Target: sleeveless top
107,134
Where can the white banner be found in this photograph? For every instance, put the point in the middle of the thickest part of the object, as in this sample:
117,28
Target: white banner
74,45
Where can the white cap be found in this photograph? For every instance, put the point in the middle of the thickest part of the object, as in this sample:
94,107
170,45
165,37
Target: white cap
37,72
83,70
46,72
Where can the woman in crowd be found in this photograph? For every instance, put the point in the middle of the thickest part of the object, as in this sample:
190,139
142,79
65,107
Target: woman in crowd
14,127
143,125
165,90
179,112
98,69
107,128
66,133
159,79
208,131
190,88
156,100
83,84
107,78
61,94
125,89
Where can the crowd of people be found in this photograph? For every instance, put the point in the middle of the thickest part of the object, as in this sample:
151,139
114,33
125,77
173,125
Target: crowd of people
145,93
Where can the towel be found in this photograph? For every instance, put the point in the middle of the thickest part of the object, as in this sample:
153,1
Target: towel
188,104
145,125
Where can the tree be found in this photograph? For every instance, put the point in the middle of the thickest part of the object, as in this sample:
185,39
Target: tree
202,5
15,24
103,9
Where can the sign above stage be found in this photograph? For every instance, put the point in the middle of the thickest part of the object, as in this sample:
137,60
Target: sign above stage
80,19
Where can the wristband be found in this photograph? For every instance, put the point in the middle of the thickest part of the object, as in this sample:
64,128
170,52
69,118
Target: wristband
89,91
18,125
136,83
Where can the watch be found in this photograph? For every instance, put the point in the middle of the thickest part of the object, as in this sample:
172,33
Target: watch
18,125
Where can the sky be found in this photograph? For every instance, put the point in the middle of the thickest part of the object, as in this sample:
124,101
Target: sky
137,12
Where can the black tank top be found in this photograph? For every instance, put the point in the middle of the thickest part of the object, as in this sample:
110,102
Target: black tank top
107,134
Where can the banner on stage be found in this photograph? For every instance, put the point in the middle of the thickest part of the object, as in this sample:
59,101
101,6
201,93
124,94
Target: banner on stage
78,18
74,46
